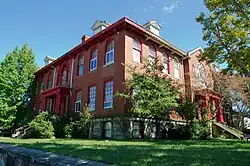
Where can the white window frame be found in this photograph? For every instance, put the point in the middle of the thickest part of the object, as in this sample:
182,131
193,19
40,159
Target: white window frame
64,76
137,51
177,68
93,60
151,55
78,106
78,102
165,64
108,93
92,98
110,53
81,63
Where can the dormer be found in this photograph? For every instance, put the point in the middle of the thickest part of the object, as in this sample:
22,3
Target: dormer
153,26
48,60
99,25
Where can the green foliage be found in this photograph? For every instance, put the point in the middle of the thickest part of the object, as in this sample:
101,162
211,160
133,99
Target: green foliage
226,30
16,76
79,128
195,128
41,126
150,92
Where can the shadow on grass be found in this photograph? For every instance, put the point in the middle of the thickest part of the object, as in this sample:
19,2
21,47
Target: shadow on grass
157,153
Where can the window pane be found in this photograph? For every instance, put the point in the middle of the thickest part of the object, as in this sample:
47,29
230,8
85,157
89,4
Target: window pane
136,56
92,97
81,70
108,100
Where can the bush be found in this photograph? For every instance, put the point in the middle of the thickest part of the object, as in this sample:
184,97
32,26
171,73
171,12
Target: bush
198,130
79,128
59,122
41,126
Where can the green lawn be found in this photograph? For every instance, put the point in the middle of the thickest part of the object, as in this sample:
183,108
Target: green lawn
156,153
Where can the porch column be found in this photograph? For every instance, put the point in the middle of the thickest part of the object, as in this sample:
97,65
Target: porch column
57,103
207,98
43,104
220,113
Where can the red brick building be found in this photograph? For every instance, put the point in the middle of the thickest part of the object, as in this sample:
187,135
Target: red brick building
94,70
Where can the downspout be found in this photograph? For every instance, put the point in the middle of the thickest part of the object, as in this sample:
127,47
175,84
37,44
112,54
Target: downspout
71,72
70,83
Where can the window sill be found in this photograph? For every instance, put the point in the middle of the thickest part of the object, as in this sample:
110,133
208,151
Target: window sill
108,64
108,108
92,70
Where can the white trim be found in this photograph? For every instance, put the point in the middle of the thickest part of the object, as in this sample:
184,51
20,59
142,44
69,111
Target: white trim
79,101
194,50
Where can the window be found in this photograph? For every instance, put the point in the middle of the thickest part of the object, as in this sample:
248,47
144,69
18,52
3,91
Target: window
177,68
151,56
201,74
42,86
81,66
110,53
107,129
40,107
78,101
137,51
165,64
49,81
65,76
34,108
108,96
93,61
92,97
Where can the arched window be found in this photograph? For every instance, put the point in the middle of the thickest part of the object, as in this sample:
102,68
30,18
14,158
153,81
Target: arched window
137,51
152,55
64,75
110,53
42,85
49,80
165,63
81,65
177,73
93,60
201,74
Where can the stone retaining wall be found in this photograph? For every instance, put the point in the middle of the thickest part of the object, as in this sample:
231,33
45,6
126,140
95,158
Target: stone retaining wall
19,156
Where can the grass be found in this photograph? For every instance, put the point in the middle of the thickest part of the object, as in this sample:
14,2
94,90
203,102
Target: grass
156,153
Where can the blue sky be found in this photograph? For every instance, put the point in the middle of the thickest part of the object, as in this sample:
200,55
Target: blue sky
52,27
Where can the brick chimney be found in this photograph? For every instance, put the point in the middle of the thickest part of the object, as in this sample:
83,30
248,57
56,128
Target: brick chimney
84,38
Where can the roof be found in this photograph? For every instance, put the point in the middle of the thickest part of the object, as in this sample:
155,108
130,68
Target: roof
98,23
154,23
110,28
195,50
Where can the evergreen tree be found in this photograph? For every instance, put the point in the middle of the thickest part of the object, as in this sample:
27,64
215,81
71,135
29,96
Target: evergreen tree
16,78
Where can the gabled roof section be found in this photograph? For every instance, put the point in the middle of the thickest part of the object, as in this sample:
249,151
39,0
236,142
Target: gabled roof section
195,50
153,23
48,58
99,23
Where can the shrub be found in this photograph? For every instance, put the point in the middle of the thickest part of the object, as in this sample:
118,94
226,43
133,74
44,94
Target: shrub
79,128
41,126
198,130
59,122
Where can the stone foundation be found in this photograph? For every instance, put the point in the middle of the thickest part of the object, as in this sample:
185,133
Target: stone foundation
19,156
127,128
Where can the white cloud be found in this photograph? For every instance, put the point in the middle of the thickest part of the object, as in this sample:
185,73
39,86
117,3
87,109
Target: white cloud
169,8
148,8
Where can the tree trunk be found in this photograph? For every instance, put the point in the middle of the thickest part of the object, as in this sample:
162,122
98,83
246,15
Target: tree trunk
158,127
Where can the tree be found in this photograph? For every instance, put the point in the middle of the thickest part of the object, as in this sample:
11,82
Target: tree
226,31
16,79
150,93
